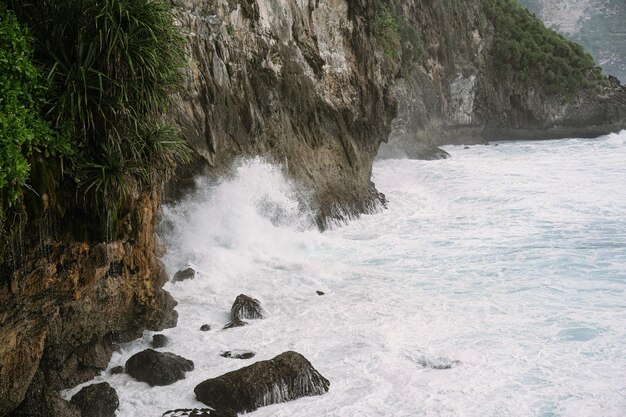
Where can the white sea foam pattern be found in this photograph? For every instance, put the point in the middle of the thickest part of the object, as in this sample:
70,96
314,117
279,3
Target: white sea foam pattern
495,285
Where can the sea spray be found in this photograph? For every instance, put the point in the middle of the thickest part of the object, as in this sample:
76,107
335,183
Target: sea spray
494,285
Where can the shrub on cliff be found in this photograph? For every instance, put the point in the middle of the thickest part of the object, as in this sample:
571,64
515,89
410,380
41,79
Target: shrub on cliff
24,134
524,48
112,67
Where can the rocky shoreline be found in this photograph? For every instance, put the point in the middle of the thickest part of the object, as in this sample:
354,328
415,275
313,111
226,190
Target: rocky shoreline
286,377
310,88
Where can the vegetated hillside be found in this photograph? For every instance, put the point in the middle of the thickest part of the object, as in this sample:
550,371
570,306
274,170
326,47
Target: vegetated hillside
485,69
597,24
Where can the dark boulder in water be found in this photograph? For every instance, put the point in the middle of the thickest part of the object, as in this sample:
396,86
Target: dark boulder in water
246,307
158,368
320,293
287,377
205,328
184,275
238,354
199,412
116,370
159,341
97,400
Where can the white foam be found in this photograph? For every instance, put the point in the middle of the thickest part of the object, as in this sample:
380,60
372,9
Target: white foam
506,263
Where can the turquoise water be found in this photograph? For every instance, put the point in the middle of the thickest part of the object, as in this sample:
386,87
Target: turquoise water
494,285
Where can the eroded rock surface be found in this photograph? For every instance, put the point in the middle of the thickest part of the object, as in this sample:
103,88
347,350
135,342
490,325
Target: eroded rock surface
64,302
287,377
158,368
238,354
301,82
184,275
245,308
96,400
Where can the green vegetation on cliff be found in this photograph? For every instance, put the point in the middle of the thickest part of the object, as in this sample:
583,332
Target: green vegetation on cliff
529,51
110,68
399,40
24,134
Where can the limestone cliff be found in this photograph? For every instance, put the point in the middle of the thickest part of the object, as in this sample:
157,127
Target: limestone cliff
454,93
301,82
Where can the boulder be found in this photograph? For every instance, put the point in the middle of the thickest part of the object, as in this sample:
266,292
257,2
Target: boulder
116,370
205,328
158,368
184,274
159,341
285,378
246,307
97,400
320,293
238,354
199,412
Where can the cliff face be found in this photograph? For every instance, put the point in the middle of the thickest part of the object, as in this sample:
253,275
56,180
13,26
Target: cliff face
309,84
64,302
301,82
454,92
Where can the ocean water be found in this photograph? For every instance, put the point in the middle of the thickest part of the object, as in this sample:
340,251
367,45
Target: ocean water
493,285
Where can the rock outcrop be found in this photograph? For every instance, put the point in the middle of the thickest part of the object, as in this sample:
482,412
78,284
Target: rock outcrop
184,274
245,308
301,82
97,400
287,377
450,91
65,300
158,368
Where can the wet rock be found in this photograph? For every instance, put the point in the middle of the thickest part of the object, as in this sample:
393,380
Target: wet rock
320,292
238,354
235,323
466,147
287,377
199,412
246,307
97,400
42,400
205,328
158,368
184,275
441,363
159,341
116,370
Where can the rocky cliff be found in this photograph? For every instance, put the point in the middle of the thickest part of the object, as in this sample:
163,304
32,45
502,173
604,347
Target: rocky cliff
456,91
313,85
301,82
65,301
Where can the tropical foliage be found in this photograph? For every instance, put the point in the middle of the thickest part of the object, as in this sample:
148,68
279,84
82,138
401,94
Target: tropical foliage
110,68
525,48
24,134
